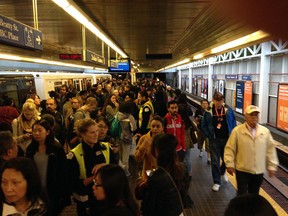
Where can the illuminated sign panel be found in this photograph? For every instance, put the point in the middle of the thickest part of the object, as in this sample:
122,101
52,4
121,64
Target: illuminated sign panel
70,56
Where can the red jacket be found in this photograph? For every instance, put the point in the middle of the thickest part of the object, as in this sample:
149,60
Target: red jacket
176,127
7,114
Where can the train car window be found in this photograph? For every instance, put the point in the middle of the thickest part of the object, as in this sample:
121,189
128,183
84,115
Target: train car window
77,85
16,87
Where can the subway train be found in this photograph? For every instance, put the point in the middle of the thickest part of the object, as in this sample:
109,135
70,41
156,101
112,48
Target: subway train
18,84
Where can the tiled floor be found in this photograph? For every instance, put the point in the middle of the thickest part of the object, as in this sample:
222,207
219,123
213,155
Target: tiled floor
206,202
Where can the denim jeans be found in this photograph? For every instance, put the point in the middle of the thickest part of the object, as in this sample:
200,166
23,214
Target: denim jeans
188,160
217,151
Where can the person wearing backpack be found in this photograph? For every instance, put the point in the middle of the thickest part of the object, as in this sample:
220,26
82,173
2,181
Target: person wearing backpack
128,125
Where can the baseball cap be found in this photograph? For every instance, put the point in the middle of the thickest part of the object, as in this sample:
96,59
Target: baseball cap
251,108
218,96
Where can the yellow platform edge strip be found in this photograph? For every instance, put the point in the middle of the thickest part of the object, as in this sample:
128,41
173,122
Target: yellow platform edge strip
278,209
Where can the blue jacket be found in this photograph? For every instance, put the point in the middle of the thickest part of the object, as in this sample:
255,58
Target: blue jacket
207,122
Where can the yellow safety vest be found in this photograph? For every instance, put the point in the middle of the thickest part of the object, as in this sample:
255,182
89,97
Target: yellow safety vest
78,152
150,105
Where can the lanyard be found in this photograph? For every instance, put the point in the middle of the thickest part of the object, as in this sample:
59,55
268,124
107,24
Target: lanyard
222,111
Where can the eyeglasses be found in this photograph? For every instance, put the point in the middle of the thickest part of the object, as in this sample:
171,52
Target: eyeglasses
96,184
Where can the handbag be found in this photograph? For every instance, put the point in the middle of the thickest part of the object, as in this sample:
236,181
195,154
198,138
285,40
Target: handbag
183,213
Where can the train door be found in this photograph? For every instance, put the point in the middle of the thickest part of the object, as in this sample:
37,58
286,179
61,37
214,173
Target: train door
77,85
58,84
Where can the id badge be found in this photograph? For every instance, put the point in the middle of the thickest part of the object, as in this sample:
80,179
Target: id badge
219,126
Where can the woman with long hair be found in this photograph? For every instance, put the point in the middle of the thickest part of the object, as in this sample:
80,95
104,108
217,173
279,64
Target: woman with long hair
21,192
143,151
112,188
110,107
167,182
50,160
22,126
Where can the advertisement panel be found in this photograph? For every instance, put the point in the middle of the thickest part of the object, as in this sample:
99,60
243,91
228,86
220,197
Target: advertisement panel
248,93
204,88
282,108
194,86
239,96
221,86
187,84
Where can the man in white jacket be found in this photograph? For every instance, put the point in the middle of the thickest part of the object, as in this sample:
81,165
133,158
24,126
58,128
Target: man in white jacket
249,152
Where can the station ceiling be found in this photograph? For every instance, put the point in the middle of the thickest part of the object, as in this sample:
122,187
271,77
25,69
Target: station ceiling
139,27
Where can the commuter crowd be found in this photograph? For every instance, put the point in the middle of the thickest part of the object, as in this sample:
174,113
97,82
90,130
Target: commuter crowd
76,145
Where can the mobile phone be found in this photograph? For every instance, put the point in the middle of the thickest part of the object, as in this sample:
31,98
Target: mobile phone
148,172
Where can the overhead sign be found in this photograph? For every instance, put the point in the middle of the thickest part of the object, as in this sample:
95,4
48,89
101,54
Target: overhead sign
19,34
231,77
246,77
199,76
70,56
94,58
282,108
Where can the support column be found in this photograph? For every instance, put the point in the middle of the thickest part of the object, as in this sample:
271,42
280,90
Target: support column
264,82
190,80
84,47
210,80
35,13
179,78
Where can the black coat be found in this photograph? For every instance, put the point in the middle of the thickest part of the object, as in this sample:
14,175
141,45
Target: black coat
161,197
57,187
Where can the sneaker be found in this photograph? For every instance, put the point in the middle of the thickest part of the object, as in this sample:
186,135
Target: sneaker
215,187
225,178
201,154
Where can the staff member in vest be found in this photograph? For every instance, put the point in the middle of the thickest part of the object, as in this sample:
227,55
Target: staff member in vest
146,112
83,162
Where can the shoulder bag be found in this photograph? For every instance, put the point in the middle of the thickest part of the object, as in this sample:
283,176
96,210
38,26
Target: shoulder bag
179,196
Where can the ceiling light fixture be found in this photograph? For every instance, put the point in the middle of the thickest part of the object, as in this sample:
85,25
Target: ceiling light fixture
71,8
174,65
178,63
42,61
199,56
241,41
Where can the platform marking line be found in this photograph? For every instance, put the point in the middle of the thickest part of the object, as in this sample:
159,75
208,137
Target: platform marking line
280,211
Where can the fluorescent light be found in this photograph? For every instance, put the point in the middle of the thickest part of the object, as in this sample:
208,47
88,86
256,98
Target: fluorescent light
174,65
241,41
71,8
41,61
9,57
178,63
199,56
